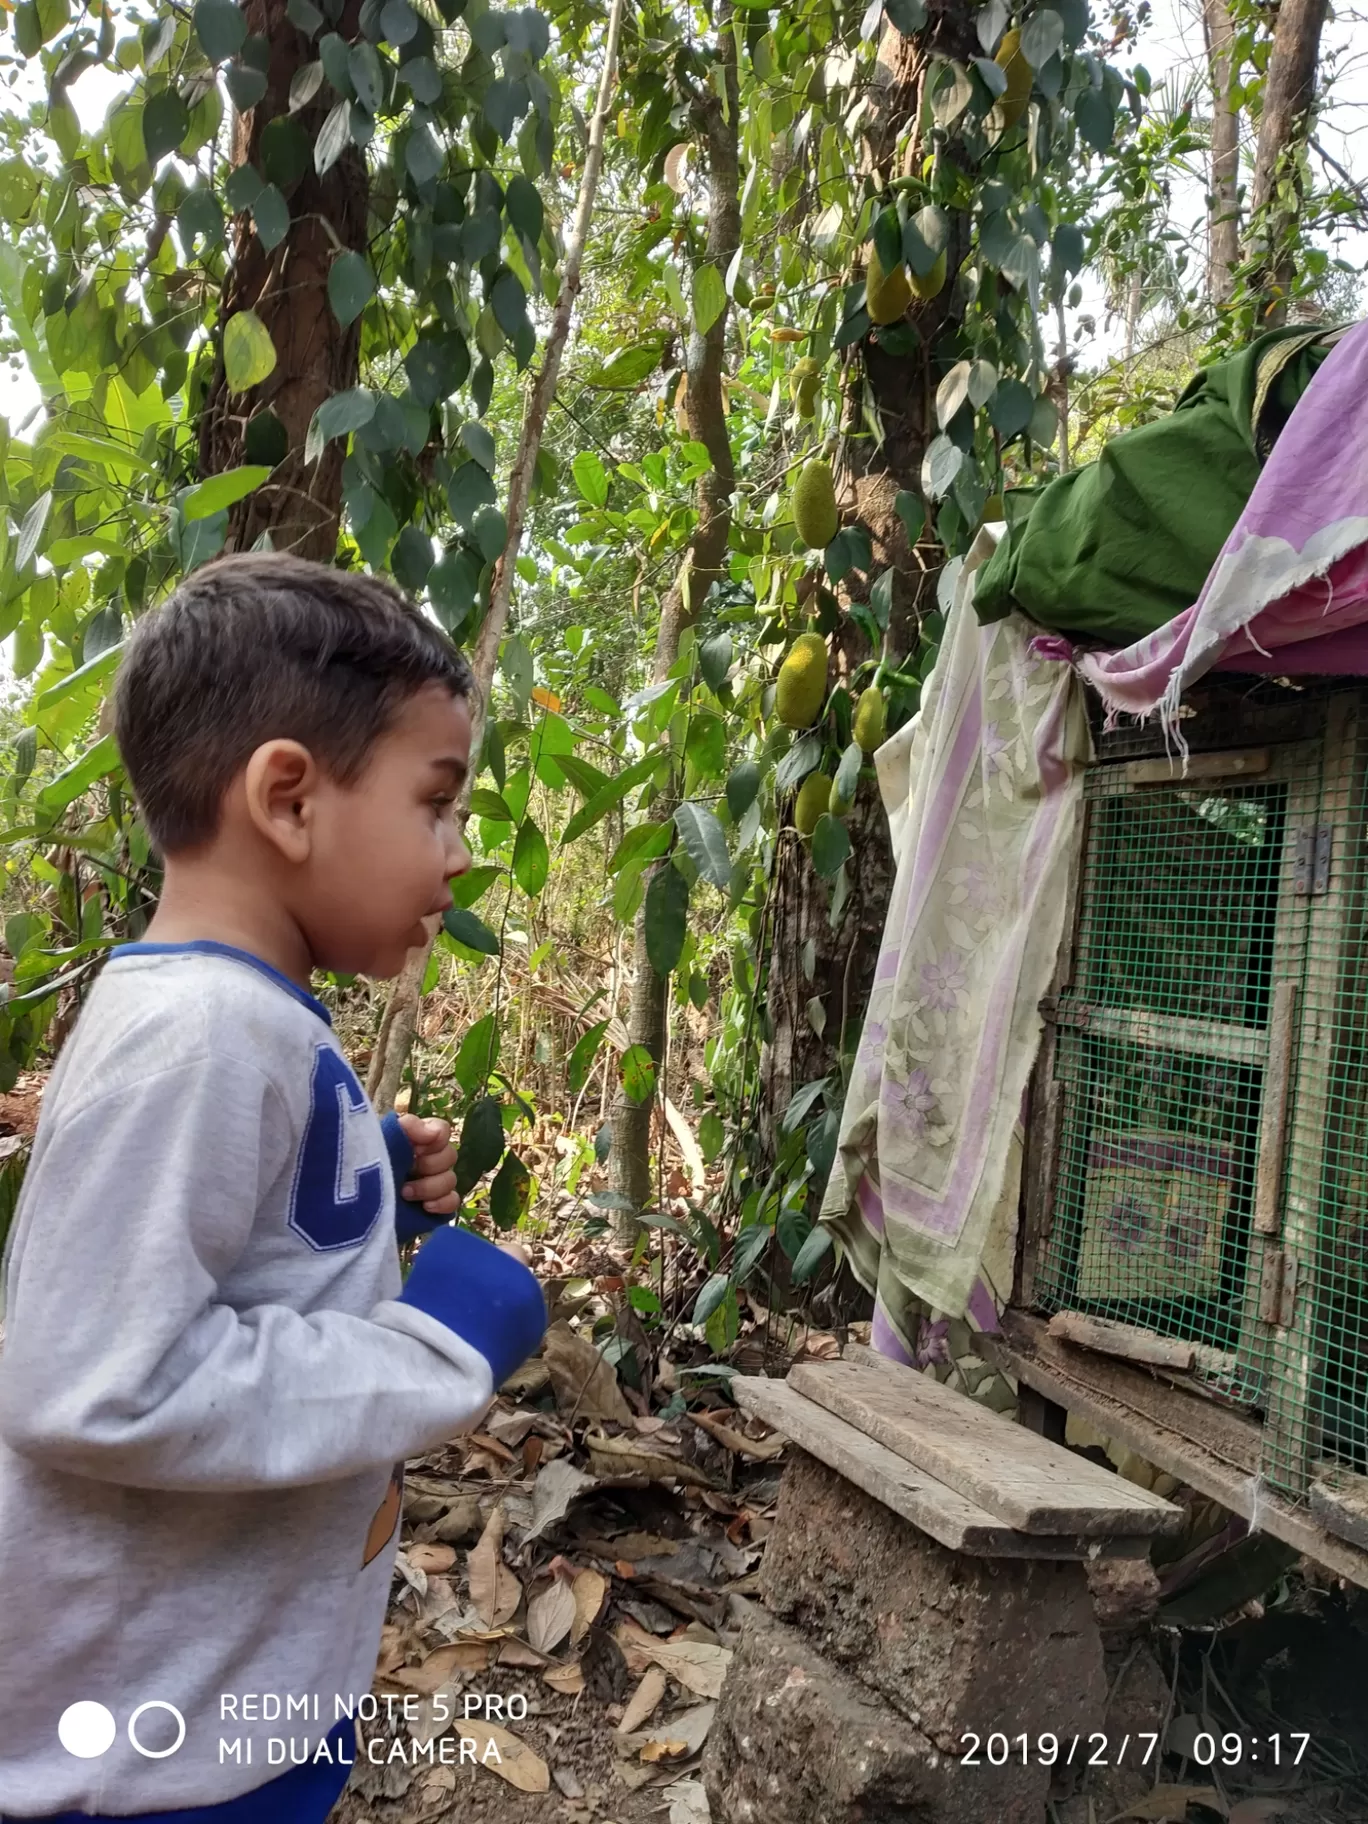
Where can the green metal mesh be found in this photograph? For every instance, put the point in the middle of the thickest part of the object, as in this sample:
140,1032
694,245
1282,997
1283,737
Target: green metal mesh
1217,980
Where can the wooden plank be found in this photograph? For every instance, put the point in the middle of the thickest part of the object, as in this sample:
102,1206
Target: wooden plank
946,1516
1022,1478
1128,1341
1339,1500
1045,1100
1210,1448
1292,1431
1166,1032
1277,1086
1176,770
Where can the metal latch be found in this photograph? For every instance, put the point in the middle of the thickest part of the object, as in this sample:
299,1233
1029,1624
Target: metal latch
1312,875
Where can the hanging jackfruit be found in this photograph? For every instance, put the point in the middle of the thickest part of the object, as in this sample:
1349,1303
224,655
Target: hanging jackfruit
887,294
814,506
1011,104
803,385
814,794
871,719
800,690
930,284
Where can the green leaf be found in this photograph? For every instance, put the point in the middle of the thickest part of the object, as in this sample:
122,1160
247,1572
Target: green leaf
221,27
631,366
849,550
743,787
249,354
702,836
1067,249
952,393
485,803
709,298
1011,408
351,286
31,531
222,490
245,85
811,1255
638,1073
531,859
591,478
1041,36
510,1192
340,415
940,466
523,207
424,80
908,16
490,532
508,301
467,888
165,123
471,931
582,1057
270,217
667,916
848,773
285,152
830,846
482,1144
712,1136
602,802
711,1297
643,842
1096,119
478,1055
469,489
479,441
334,136
367,76
714,660
798,762
70,784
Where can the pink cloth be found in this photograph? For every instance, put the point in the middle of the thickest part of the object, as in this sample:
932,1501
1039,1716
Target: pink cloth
1289,591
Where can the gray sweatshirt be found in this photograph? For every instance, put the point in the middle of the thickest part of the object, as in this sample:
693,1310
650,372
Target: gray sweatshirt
209,1376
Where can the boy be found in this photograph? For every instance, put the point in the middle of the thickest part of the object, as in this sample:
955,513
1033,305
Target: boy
211,1372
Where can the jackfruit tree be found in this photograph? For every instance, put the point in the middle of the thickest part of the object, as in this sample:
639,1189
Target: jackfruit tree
294,274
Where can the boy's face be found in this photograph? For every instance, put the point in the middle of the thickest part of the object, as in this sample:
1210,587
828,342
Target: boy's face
385,848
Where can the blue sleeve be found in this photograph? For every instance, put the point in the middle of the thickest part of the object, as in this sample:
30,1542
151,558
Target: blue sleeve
410,1219
489,1299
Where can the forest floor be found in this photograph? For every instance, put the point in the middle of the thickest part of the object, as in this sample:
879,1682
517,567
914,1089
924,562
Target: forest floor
573,1575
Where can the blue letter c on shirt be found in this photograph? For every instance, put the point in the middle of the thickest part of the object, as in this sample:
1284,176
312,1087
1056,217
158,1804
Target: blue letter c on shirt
335,1200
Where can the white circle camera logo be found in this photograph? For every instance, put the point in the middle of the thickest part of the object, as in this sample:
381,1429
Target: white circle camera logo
87,1730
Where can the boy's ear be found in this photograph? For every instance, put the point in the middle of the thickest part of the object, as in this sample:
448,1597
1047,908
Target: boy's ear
280,784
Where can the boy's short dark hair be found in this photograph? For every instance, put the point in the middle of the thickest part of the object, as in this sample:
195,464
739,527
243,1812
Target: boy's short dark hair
256,647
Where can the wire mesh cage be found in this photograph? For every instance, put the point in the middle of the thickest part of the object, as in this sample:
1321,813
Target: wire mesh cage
1209,1179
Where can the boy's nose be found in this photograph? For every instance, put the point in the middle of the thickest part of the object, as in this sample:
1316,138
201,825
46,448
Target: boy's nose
458,857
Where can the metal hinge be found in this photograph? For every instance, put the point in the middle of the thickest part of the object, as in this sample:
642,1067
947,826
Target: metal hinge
1312,875
1278,1288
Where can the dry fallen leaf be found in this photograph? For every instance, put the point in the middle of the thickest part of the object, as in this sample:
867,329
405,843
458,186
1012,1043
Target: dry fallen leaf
1258,1811
502,1753
696,1664
494,1590
434,1559
518,1653
659,1751
391,1648
628,1457
492,1446
557,1485
764,1450
551,1616
642,1704
439,1667
688,1802
687,1726
585,1385
568,1679
590,1592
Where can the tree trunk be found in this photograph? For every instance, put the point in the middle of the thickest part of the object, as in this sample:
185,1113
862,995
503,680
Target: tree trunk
871,476
1289,91
706,560
1223,195
300,507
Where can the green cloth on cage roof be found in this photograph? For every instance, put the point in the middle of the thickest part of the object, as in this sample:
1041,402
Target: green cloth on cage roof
1113,550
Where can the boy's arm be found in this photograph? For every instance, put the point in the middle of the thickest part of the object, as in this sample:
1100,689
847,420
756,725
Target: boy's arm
123,1362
